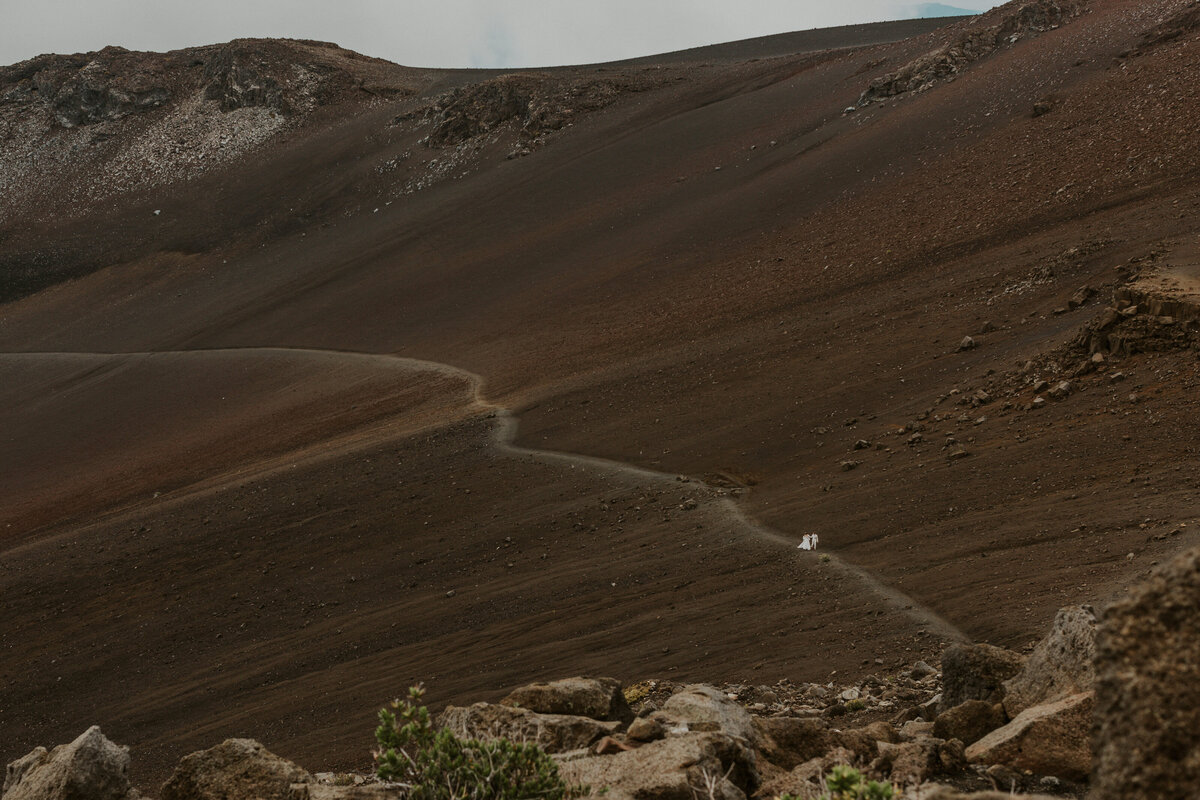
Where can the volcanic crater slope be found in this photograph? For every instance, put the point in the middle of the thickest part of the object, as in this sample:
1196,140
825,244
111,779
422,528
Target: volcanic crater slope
321,376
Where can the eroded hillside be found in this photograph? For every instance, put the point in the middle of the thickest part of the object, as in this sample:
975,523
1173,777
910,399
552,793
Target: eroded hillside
948,331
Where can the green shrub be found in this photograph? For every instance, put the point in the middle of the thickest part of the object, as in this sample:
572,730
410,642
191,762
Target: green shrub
847,783
856,705
437,765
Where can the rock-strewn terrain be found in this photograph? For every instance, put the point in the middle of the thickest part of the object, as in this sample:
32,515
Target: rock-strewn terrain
928,733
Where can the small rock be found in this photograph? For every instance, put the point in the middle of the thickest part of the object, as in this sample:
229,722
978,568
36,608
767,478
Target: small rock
976,672
921,670
646,729
1061,390
847,466
969,722
967,343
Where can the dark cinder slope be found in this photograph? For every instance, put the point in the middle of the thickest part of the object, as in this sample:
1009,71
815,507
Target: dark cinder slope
709,270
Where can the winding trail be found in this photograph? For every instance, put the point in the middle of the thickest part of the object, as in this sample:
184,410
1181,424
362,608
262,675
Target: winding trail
504,434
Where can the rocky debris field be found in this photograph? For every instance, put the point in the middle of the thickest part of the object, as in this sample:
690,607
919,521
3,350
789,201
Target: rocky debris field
1069,717
114,121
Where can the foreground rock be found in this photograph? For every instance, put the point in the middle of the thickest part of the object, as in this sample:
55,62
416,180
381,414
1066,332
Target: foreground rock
1060,664
89,768
976,672
706,708
1148,688
598,698
679,768
554,733
1051,739
236,768
970,721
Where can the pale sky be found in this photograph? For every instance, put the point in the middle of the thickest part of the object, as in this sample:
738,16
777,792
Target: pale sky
432,33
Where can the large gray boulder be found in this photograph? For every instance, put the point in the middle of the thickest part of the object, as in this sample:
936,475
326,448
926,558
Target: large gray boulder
1052,739
89,768
1148,688
236,768
976,672
598,698
677,768
1061,664
554,733
705,708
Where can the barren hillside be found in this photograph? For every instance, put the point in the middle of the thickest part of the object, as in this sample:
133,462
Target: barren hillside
322,375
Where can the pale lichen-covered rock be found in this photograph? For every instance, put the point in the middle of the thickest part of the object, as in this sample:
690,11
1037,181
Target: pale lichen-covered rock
677,768
236,768
554,733
1052,739
89,768
705,708
1061,664
598,698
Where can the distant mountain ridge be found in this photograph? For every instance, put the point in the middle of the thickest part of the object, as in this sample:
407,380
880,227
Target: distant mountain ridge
932,10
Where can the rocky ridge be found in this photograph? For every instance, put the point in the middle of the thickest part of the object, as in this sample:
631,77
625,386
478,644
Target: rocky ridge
116,120
980,38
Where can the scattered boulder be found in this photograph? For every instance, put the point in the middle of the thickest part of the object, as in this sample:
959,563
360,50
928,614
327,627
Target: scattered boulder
1051,739
554,733
920,671
967,343
1148,688
646,729
789,741
234,768
970,721
678,768
705,708
598,698
865,742
89,768
976,672
913,763
1061,664
1081,296
1061,390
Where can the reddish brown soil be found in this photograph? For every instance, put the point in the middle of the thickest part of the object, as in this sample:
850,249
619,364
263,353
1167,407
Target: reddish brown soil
716,274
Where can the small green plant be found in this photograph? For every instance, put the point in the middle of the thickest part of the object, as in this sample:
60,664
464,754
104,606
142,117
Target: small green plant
825,558
847,783
856,705
434,764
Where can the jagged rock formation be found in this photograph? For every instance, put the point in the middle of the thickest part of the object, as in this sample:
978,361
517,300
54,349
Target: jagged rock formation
89,768
980,38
